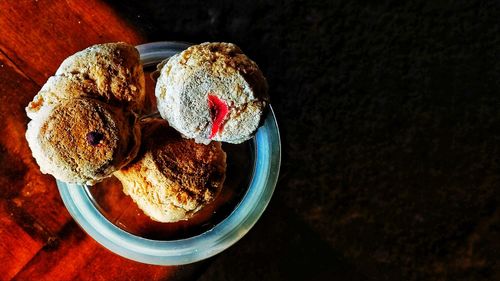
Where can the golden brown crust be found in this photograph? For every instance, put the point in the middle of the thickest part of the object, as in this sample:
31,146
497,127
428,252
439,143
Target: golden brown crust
91,98
173,177
83,140
60,88
115,69
109,72
198,169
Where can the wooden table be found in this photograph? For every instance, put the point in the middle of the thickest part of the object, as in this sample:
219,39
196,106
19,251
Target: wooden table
38,238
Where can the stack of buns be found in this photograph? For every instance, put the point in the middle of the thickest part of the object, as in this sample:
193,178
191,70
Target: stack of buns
86,123
84,119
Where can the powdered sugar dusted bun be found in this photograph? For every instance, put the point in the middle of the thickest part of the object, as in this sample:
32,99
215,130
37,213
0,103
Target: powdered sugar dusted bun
212,91
172,177
83,140
109,72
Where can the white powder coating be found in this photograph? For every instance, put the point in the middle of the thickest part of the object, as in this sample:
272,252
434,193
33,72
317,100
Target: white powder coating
219,69
34,127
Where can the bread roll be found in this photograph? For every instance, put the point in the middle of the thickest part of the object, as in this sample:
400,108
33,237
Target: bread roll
108,72
83,140
172,177
212,91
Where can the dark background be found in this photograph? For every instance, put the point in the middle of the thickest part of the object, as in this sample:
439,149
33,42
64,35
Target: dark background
390,123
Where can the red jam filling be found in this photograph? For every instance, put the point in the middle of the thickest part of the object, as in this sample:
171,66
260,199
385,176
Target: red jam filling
218,111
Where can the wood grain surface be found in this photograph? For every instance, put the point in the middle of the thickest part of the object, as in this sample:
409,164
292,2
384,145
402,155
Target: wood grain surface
38,238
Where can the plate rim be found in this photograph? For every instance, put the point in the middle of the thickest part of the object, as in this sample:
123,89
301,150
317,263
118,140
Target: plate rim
187,250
